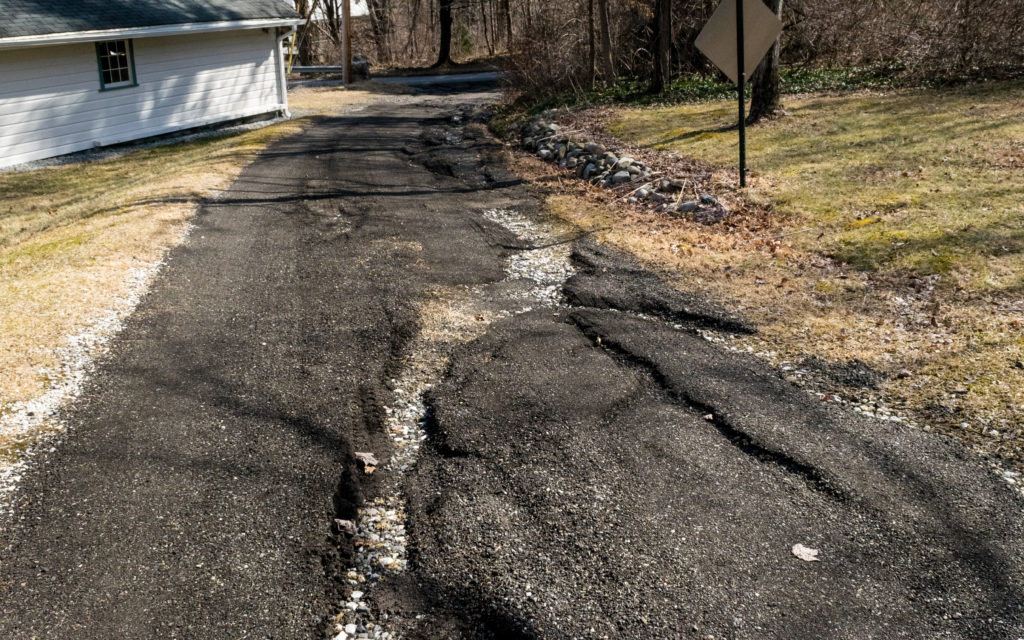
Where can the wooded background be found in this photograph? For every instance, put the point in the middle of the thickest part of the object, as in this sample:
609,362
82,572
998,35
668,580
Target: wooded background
559,45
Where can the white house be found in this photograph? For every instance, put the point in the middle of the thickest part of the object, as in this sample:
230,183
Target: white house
77,74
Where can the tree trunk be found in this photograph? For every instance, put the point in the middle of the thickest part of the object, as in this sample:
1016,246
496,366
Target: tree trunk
444,52
663,45
607,57
411,49
591,45
483,19
433,19
506,8
380,24
765,90
304,43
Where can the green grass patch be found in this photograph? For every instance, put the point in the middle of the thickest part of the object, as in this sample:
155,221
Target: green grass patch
922,180
704,86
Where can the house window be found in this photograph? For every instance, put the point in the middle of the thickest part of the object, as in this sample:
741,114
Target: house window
117,64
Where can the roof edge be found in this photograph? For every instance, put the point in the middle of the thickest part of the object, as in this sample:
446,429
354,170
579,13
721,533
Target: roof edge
71,37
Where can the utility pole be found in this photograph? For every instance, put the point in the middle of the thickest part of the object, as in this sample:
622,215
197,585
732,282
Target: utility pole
346,45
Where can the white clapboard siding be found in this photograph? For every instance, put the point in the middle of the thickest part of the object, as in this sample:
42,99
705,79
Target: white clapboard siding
227,77
219,93
212,88
51,102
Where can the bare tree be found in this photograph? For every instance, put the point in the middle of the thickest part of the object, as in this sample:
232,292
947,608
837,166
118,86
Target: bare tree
381,25
663,45
411,50
607,56
569,45
444,50
591,45
487,36
333,20
506,9
304,43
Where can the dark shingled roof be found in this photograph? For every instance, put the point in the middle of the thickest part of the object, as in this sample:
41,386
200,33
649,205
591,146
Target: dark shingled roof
41,17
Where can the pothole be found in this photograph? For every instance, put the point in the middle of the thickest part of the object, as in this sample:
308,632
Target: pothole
448,317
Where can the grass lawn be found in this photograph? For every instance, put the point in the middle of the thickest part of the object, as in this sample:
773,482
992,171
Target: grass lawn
70,235
925,181
896,238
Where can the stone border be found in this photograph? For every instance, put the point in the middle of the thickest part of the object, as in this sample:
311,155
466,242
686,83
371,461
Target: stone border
607,168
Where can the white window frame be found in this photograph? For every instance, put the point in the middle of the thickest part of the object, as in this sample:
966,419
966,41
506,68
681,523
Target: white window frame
108,51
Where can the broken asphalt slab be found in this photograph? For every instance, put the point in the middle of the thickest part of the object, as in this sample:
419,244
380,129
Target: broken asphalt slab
595,474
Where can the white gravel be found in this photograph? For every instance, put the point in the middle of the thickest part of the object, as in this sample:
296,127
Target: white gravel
547,264
35,425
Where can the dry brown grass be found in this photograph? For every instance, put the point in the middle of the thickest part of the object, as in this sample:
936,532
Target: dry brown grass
69,235
899,216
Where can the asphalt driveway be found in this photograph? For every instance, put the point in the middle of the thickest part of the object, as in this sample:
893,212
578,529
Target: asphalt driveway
589,466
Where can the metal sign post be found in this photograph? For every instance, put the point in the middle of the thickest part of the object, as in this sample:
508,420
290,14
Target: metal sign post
742,80
735,39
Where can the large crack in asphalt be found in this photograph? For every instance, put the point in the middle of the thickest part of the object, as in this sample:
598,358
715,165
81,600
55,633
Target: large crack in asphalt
213,450
742,440
535,274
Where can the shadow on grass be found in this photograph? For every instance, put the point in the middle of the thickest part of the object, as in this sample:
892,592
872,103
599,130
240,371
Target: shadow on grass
933,252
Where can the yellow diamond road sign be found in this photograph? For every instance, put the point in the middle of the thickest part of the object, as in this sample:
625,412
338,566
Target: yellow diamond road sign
718,38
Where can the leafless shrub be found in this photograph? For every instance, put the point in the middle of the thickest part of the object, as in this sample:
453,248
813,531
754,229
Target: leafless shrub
548,41
946,37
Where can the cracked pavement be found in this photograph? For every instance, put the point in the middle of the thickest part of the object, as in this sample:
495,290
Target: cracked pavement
592,469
